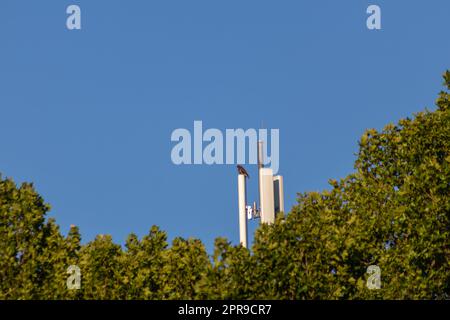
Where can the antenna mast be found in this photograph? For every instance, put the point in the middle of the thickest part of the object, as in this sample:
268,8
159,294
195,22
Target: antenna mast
270,194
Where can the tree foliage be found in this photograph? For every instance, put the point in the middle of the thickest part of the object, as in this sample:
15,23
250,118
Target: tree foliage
393,212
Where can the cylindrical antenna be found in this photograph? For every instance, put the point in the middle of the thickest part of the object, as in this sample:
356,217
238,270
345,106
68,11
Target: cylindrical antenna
242,192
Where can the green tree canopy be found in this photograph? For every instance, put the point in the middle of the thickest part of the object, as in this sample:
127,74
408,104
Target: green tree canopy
393,212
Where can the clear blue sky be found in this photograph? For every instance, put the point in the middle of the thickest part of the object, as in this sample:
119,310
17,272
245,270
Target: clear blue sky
87,115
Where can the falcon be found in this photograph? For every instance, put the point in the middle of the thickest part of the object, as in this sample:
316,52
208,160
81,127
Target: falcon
242,170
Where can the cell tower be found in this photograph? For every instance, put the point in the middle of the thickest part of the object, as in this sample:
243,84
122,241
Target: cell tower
271,197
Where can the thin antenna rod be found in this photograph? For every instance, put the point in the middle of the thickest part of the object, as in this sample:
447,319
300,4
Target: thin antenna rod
260,167
260,154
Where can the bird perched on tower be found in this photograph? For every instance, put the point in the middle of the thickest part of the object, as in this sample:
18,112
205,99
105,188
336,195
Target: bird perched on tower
242,171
